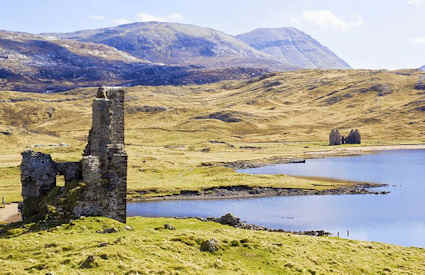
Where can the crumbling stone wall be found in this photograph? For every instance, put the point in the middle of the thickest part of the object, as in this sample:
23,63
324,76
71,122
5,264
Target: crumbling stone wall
38,178
334,137
103,169
353,137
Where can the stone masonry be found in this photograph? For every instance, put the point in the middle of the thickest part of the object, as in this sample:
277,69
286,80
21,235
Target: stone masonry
103,169
353,137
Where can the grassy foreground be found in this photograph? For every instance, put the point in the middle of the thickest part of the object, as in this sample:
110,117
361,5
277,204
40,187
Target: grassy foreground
142,249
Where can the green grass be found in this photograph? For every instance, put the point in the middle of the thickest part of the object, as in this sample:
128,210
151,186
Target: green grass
144,250
10,185
172,181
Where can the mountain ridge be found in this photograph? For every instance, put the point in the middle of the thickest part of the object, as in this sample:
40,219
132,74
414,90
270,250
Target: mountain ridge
291,45
179,44
144,53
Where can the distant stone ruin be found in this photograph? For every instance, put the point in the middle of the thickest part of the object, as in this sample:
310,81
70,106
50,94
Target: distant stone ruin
95,186
353,137
335,137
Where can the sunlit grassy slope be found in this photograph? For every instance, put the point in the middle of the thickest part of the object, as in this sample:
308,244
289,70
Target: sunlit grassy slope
144,250
280,115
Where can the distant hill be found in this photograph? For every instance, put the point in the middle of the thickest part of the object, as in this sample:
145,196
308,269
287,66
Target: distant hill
290,45
46,64
422,68
152,53
180,44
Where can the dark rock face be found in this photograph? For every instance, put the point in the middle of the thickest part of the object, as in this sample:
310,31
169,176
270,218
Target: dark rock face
420,85
146,109
103,169
353,137
223,116
334,137
381,89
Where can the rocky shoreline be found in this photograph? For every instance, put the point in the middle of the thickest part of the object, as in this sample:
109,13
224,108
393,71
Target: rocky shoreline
243,191
236,222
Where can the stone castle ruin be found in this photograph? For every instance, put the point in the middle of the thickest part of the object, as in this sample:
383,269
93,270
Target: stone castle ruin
335,138
94,186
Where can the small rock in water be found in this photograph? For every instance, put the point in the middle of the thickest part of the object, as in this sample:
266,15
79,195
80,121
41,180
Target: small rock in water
229,219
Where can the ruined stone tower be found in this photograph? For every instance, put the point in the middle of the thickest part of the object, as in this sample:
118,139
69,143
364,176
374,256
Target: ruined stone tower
102,171
104,161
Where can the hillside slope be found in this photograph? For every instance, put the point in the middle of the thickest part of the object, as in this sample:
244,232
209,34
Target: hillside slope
293,46
45,64
180,44
271,113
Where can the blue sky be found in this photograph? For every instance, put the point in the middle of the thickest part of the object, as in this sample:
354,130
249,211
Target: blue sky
366,33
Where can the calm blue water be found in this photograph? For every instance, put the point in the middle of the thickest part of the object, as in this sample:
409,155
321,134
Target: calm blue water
397,218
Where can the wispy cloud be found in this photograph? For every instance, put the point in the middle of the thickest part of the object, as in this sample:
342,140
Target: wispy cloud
122,21
415,3
420,40
97,17
326,19
146,17
174,17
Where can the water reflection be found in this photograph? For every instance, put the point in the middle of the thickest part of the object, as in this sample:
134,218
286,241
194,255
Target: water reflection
396,218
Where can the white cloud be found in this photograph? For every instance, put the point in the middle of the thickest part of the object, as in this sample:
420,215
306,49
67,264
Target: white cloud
326,19
145,17
418,40
97,17
415,3
122,21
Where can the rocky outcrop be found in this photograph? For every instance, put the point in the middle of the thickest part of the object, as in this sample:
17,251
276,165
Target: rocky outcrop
209,246
420,85
95,186
334,137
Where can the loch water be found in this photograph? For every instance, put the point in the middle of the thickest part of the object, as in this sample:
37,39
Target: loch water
396,218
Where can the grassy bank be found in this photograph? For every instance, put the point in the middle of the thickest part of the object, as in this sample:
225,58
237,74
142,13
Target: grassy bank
145,250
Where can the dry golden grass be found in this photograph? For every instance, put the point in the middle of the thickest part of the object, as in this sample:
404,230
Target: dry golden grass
283,115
